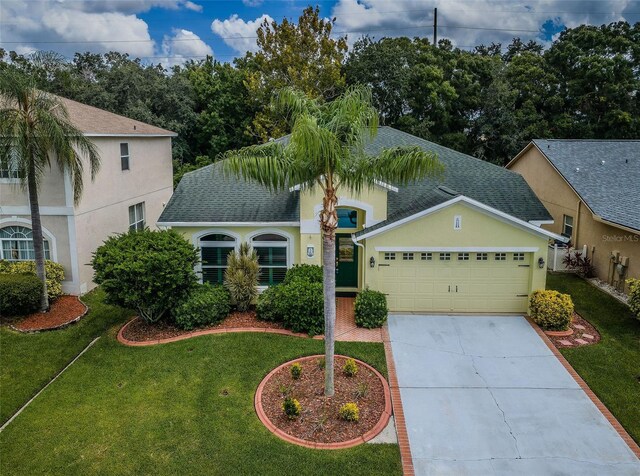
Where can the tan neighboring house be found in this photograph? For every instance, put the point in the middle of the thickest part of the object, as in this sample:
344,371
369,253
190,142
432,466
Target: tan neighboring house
134,183
592,190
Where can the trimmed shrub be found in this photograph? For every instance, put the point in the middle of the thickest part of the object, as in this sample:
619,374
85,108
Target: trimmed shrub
302,307
53,270
269,304
19,294
551,310
634,296
308,272
296,371
350,412
291,408
299,305
149,271
205,305
371,309
350,368
241,276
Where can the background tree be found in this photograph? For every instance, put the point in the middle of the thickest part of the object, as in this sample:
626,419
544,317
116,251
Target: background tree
326,149
302,55
35,130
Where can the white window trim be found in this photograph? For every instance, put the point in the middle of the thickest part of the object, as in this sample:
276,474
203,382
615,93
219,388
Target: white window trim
136,218
53,247
128,156
564,225
274,231
195,239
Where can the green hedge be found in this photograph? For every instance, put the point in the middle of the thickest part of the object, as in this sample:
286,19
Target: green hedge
299,305
634,296
53,270
307,272
19,294
205,305
371,309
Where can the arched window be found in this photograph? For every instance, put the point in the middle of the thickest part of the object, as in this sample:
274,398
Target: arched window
16,244
215,249
273,257
347,218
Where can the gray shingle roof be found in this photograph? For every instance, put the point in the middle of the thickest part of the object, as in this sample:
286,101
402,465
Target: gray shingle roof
205,195
610,189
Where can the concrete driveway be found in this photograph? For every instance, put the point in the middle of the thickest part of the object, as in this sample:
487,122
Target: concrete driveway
484,395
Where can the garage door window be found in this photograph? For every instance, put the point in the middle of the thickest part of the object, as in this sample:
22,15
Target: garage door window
463,256
389,256
518,256
482,256
501,256
445,256
426,256
407,256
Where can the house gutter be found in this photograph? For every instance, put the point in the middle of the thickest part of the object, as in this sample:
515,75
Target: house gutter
364,260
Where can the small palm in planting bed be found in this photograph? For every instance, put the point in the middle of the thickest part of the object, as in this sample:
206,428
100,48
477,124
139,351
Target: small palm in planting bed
292,398
551,310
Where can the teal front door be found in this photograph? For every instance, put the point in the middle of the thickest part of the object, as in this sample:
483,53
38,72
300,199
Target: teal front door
346,262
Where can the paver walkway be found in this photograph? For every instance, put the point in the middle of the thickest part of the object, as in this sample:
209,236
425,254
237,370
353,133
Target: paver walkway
346,329
485,395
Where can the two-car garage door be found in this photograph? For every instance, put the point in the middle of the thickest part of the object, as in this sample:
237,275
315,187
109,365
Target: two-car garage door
456,281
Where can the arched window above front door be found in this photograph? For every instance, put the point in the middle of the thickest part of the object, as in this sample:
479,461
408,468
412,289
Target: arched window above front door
214,251
273,257
16,244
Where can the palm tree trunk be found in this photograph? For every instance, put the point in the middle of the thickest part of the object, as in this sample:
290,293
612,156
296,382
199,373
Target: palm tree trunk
38,241
329,278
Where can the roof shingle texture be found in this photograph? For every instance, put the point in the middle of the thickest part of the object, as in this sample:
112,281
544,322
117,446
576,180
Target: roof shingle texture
604,173
92,120
205,195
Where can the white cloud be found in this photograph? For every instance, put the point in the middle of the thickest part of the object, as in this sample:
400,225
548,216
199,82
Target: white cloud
127,6
192,6
252,3
238,33
472,22
182,46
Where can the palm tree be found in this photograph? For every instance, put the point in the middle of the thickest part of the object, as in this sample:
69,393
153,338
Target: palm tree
326,149
35,130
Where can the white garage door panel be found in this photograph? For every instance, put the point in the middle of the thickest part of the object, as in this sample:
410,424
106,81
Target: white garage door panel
456,286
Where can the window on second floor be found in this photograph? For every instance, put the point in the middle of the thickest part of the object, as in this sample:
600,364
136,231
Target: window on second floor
136,217
9,168
124,155
567,226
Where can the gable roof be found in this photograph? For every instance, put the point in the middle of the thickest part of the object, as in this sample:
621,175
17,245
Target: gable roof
604,173
487,183
98,122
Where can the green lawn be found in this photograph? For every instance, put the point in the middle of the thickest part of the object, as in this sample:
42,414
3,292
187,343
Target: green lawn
29,361
612,367
161,410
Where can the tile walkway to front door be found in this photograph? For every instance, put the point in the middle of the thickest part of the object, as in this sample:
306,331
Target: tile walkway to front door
346,329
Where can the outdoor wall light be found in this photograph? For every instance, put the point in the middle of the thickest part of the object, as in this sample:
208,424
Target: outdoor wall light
372,262
541,262
311,251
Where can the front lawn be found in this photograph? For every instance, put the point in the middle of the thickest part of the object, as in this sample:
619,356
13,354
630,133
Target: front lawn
612,367
180,408
29,361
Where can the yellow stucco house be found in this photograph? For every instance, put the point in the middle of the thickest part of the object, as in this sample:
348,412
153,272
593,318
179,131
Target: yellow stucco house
592,190
469,241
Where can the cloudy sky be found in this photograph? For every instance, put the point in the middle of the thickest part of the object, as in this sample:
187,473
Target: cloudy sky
171,31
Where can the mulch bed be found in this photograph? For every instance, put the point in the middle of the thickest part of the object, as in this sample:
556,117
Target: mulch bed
62,312
319,421
583,334
139,331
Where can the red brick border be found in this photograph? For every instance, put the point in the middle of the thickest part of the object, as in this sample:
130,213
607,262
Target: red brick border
398,412
583,385
382,423
188,335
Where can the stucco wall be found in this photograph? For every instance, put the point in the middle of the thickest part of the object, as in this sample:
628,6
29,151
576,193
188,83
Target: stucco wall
558,197
50,194
478,230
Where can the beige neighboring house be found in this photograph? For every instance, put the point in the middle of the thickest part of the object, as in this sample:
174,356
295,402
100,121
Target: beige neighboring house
133,184
592,190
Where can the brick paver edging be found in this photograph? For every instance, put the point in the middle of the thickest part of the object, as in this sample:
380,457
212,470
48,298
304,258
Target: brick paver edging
382,423
188,335
583,385
54,328
398,412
